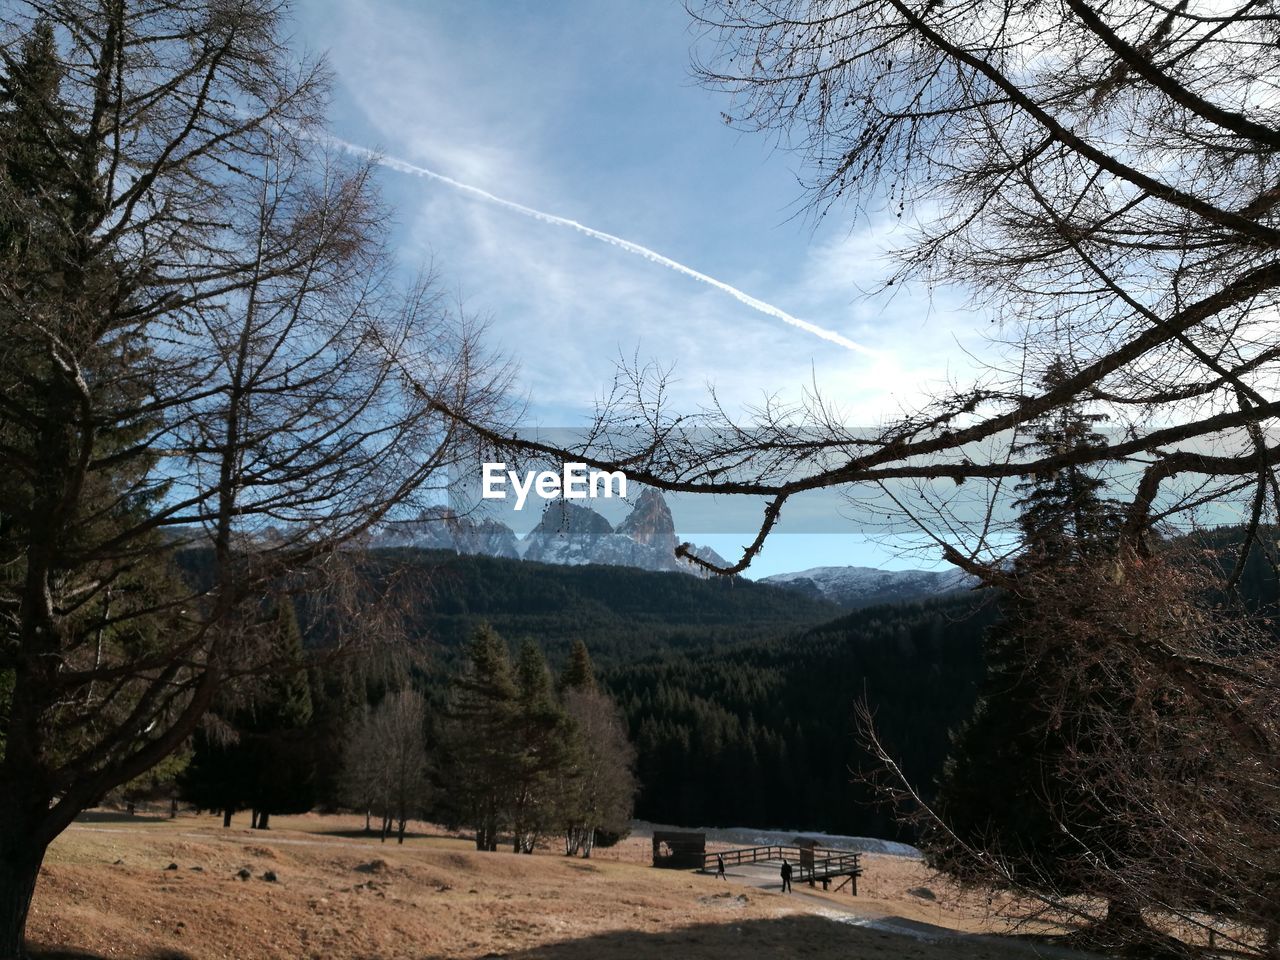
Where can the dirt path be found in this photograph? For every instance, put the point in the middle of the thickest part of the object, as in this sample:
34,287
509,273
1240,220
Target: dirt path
849,911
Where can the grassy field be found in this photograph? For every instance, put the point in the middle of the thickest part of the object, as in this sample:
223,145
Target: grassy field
108,890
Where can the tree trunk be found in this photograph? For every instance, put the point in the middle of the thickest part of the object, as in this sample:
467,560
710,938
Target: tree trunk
19,871
1124,915
263,819
400,832
253,819
226,817
368,816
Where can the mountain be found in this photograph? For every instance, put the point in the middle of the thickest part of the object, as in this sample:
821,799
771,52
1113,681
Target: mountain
855,587
567,534
439,528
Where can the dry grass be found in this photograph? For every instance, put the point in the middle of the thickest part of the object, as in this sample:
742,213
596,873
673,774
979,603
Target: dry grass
106,891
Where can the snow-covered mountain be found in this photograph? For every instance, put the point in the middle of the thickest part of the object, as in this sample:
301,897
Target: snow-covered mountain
439,528
567,534
854,587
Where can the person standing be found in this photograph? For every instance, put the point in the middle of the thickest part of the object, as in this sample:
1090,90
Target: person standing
786,876
720,868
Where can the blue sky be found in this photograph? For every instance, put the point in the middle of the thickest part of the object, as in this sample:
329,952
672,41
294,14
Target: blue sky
587,111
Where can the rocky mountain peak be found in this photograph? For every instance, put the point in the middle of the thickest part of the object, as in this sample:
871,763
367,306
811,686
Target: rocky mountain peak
567,533
565,519
650,522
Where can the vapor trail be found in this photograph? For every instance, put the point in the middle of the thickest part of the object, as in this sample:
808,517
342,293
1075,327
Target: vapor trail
403,166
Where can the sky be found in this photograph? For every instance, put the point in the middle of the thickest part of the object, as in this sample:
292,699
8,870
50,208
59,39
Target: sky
586,198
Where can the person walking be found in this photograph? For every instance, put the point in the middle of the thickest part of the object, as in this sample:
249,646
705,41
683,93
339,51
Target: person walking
720,868
786,877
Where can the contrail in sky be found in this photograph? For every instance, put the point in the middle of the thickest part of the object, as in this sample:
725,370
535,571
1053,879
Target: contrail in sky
652,256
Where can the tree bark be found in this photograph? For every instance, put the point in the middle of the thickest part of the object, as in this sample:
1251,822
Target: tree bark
19,870
263,821
226,817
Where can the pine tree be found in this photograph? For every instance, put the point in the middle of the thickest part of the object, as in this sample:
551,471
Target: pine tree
579,673
1005,788
480,726
257,752
543,758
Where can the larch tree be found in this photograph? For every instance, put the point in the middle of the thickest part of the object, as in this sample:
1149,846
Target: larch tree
206,347
385,768
597,785
1100,180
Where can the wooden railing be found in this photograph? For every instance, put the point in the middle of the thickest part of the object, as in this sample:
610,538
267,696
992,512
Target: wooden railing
809,864
751,855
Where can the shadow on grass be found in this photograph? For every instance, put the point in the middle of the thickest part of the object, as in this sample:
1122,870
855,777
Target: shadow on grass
373,836
37,952
795,936
119,816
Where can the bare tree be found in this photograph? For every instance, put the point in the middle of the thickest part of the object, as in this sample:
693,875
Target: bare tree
385,762
1166,708
599,788
1103,179
211,384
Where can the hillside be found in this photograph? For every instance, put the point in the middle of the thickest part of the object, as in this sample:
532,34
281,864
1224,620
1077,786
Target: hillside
765,734
106,892
622,613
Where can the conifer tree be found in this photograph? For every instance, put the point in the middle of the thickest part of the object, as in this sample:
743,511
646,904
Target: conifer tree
1005,789
480,726
599,787
579,673
542,752
385,761
204,347
256,751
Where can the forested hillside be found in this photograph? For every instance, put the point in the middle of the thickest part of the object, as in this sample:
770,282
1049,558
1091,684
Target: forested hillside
739,697
765,734
620,612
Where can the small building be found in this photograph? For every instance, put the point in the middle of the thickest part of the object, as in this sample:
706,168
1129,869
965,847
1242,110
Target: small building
679,849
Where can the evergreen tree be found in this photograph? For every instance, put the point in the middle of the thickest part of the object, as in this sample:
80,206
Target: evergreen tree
542,757
279,742
579,673
479,731
257,753
1005,788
